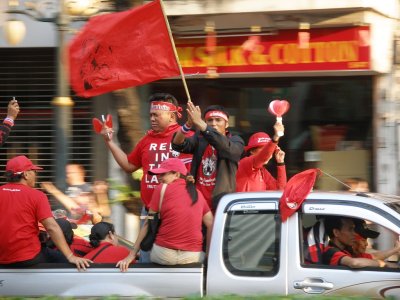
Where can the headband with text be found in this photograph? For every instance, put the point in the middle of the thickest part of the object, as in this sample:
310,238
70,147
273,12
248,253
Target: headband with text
166,106
216,114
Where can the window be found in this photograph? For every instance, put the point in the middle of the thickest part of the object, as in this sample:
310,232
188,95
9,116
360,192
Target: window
251,243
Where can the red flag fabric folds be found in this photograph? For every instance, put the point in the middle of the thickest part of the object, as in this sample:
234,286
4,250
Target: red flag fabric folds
296,190
121,50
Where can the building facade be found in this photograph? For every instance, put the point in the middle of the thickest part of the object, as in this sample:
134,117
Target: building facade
335,62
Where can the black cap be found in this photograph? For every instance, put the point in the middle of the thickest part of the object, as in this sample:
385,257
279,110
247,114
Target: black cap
362,229
66,228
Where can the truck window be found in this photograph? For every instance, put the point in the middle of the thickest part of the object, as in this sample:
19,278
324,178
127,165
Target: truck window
251,243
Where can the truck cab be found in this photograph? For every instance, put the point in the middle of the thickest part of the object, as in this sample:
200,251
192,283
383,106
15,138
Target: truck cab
253,252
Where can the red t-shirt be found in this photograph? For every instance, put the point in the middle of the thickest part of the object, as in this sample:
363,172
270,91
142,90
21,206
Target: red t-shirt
80,247
21,208
207,174
333,255
250,179
151,150
111,254
181,222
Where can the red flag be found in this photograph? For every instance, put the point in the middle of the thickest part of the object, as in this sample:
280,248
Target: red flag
296,190
121,50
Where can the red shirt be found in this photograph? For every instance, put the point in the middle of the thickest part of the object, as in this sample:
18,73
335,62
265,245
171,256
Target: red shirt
252,175
151,150
181,222
207,174
21,207
111,254
80,247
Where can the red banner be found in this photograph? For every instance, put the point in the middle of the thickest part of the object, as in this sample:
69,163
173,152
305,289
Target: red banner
325,50
121,50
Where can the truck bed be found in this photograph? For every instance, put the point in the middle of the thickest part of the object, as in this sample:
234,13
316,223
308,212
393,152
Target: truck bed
142,279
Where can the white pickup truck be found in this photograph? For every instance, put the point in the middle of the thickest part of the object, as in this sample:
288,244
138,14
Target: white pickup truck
252,252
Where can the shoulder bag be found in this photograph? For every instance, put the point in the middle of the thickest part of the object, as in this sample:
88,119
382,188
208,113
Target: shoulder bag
153,223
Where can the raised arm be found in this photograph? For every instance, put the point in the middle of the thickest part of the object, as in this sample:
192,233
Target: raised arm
68,202
120,156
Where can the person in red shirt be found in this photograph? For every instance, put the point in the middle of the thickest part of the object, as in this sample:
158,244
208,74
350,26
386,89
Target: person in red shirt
252,174
363,232
79,246
339,252
153,148
22,207
183,210
105,243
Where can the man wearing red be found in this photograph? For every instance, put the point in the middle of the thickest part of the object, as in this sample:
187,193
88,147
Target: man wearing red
216,152
153,148
22,207
251,174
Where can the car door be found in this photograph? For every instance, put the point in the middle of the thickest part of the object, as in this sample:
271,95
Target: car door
320,279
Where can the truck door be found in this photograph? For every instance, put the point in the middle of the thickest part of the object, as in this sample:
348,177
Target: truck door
245,251
308,278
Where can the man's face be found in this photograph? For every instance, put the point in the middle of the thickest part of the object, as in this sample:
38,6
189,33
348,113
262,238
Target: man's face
30,177
218,124
160,120
346,235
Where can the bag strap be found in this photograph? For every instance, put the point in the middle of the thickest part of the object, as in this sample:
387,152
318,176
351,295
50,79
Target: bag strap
163,188
101,250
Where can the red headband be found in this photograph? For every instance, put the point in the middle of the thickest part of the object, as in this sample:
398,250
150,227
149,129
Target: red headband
217,114
166,106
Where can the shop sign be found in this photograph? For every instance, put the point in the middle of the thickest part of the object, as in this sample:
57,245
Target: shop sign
345,48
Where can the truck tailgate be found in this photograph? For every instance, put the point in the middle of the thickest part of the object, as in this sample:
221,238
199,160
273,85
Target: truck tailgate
102,280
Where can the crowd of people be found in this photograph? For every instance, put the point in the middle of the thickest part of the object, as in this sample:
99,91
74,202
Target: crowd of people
187,169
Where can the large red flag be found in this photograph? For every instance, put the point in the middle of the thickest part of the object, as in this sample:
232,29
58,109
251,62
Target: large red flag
296,191
121,50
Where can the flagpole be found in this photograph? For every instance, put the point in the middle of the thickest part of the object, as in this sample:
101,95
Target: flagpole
175,52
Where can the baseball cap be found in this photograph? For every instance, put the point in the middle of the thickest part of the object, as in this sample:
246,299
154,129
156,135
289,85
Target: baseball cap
361,228
20,164
168,165
258,139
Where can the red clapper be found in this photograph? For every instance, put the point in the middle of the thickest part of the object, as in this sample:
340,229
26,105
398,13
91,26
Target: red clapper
98,125
278,108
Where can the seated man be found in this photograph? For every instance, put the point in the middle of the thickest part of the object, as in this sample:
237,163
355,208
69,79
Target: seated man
363,232
339,251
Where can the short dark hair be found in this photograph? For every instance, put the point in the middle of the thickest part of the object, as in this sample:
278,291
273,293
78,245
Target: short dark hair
99,232
215,107
163,97
11,177
334,222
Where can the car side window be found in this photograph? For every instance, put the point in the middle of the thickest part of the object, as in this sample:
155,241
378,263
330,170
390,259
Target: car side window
251,243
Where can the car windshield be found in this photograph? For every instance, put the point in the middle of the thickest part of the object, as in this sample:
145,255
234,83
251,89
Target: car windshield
389,200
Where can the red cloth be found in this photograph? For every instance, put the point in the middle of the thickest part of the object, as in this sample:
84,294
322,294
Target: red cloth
207,174
252,175
111,254
334,255
80,247
21,207
296,190
181,221
151,150
119,50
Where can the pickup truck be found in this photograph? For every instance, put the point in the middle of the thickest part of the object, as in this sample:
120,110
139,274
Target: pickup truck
252,252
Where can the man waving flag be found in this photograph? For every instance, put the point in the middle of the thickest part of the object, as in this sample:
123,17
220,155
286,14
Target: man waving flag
121,50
